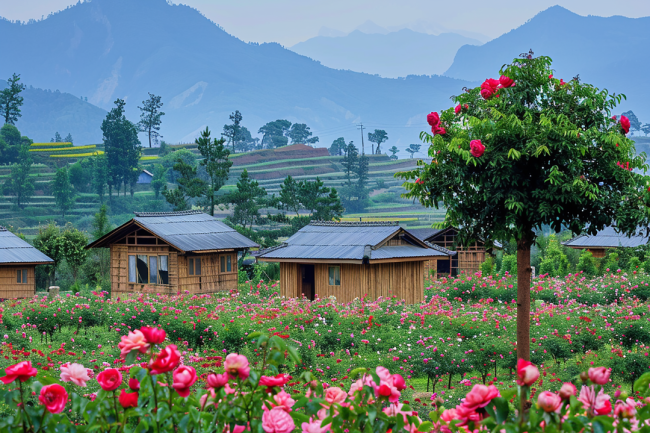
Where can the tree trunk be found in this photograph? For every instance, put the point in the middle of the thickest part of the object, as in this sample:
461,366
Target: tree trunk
523,297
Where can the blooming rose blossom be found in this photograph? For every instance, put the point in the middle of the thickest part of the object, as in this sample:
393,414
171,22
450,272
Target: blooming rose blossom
165,361
277,421
480,396
237,366
110,379
217,381
625,124
625,409
133,341
153,335
549,402
335,394
277,380
314,426
489,88
466,414
457,109
527,373
599,375
433,119
599,403
438,130
283,401
75,373
134,384
128,399
184,377
21,371
53,397
399,382
568,389
506,82
476,148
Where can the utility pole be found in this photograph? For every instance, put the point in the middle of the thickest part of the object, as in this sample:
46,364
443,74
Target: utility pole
360,126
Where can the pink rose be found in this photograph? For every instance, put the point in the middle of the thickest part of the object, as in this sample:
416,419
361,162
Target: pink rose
476,148
457,109
599,375
567,390
527,373
599,403
21,371
480,396
217,381
277,421
449,415
315,427
166,360
110,379
625,409
237,366
75,373
335,394
53,397
184,377
549,402
283,401
133,341
466,414
506,81
433,119
277,380
207,399
153,335
398,382
625,124
128,399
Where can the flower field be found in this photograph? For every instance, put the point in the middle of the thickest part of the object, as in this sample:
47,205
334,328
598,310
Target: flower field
464,334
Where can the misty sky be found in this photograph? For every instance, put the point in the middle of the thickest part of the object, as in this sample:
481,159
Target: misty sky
292,21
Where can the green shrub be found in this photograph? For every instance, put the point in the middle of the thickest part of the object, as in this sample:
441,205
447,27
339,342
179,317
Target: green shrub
509,264
610,262
586,263
633,265
487,266
555,262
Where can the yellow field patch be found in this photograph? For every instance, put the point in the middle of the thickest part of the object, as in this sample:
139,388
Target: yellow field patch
51,144
148,158
58,149
78,155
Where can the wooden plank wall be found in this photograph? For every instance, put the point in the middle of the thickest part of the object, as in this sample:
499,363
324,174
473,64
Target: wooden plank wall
289,280
211,280
120,285
402,279
9,286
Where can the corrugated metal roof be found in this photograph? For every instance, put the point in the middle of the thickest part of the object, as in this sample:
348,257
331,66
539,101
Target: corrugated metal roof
606,238
15,250
192,231
345,241
424,234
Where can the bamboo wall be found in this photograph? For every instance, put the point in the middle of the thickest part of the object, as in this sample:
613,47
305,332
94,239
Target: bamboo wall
469,258
10,288
211,280
401,279
120,285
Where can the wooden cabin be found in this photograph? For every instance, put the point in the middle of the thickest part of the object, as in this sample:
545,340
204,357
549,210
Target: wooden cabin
351,260
18,261
605,239
467,260
173,252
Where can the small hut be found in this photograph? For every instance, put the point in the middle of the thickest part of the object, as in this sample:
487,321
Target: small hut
173,252
18,261
467,260
350,260
605,239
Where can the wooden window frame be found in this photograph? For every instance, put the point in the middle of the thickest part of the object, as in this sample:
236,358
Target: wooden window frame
191,266
223,263
328,275
22,276
158,256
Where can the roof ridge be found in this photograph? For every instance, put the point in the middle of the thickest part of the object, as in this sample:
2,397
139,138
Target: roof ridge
439,248
354,223
161,214
2,229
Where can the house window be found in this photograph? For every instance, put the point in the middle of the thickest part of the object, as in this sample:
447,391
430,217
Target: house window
145,269
334,275
226,264
195,266
21,276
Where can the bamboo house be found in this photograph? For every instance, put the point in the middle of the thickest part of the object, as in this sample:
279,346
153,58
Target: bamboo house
173,252
350,260
18,261
605,239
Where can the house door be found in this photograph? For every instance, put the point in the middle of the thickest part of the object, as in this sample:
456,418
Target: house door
307,281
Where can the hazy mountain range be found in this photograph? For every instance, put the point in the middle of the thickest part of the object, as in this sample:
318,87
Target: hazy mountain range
108,49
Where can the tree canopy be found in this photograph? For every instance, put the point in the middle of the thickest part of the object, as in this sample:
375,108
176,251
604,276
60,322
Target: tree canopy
11,101
150,117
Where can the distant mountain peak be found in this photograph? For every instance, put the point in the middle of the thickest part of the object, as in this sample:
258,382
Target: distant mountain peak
370,28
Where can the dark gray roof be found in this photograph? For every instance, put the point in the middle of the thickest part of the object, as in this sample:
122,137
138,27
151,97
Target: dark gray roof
15,250
346,241
606,238
187,230
424,234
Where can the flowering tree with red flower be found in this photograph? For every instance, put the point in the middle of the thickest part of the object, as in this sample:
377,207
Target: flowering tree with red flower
525,151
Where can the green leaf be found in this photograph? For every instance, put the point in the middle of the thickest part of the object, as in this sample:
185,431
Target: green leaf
642,384
426,426
130,358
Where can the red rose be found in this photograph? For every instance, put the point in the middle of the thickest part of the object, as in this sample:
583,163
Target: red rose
21,371
53,397
457,109
153,335
166,360
527,373
476,148
625,124
433,119
506,81
437,130
110,379
487,93
134,384
128,399
398,382
278,380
